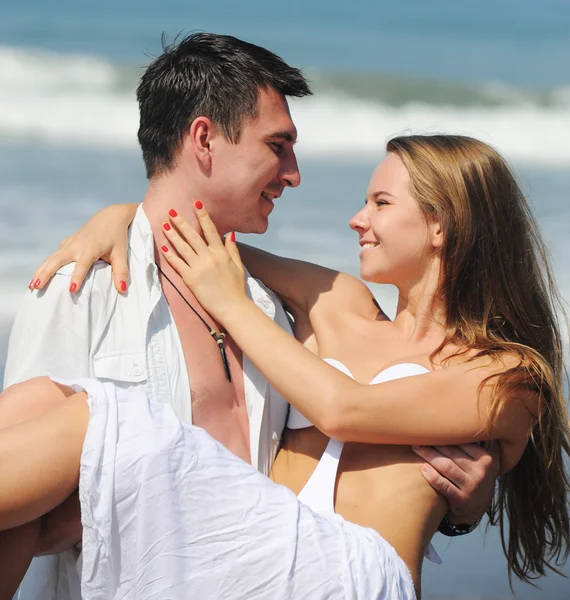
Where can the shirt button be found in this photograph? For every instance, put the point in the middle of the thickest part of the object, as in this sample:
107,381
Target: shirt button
136,371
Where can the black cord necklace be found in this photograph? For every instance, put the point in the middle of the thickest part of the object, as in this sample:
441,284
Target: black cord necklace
218,337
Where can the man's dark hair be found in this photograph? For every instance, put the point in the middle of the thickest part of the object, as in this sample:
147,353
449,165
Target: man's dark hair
205,74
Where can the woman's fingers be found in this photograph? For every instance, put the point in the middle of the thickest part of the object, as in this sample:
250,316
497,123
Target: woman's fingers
50,266
120,268
209,230
188,246
84,258
233,250
178,264
183,233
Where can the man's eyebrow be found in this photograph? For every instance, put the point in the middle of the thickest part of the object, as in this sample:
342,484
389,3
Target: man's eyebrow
286,136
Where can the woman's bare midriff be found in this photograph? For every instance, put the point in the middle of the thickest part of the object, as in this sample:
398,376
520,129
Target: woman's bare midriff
378,486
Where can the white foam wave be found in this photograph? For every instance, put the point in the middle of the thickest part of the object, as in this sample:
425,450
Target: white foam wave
524,133
65,98
83,100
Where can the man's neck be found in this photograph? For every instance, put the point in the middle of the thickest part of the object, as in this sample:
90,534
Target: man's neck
163,194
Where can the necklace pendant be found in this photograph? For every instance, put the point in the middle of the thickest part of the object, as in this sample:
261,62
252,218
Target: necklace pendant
224,359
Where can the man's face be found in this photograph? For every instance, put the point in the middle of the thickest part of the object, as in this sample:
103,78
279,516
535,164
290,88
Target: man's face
248,176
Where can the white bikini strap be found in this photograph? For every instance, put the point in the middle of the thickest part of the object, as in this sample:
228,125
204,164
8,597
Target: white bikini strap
318,492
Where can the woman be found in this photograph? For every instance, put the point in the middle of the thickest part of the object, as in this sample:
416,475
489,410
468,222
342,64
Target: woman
445,222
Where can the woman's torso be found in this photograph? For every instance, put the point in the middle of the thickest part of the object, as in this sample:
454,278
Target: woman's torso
377,486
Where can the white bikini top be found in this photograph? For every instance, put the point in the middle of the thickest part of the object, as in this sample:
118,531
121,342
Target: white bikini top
318,492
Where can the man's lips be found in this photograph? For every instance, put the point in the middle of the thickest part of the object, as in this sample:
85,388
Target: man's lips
271,196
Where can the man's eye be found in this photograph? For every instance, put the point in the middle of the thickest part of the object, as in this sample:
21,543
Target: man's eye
277,148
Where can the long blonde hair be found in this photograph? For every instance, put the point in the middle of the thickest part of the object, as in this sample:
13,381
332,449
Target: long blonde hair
500,297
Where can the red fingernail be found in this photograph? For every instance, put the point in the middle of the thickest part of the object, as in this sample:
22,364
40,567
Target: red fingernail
31,285
172,213
36,283
198,205
73,287
233,236
164,249
123,285
166,226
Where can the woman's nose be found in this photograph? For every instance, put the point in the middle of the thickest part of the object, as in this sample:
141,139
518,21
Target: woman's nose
358,222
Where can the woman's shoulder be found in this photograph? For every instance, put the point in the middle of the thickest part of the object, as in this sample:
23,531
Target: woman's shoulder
501,372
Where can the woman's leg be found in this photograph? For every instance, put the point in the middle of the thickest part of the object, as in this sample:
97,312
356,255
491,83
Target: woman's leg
17,548
20,404
39,457
24,401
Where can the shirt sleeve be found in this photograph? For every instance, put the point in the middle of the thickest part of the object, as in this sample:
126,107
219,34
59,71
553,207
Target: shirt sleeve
51,334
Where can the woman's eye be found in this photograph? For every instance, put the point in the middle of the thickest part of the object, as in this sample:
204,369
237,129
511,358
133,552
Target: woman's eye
380,202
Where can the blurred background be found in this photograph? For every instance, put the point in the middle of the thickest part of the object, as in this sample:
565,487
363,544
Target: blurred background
495,69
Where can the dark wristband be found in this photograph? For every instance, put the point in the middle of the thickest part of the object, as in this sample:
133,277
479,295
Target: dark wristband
446,527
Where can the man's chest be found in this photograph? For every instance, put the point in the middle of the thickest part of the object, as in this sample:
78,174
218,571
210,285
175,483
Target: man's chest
214,379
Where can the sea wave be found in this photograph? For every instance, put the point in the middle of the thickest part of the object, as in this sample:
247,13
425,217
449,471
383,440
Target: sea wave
77,99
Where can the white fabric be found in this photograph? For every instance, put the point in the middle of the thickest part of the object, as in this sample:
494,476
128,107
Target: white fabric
318,492
169,513
131,340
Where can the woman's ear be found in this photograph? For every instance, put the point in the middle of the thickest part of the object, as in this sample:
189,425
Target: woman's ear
436,231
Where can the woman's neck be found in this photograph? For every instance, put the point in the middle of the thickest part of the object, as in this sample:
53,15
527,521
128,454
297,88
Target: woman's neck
420,313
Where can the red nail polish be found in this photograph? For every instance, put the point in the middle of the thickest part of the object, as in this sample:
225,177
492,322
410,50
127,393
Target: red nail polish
31,285
233,236
123,285
166,226
172,213
73,287
164,249
36,283
198,205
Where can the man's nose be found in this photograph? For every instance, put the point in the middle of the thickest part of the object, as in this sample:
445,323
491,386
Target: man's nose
290,174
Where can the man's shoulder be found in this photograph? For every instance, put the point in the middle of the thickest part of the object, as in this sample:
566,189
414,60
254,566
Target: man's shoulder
99,279
269,302
261,294
67,270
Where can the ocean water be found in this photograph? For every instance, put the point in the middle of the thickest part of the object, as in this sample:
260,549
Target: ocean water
496,70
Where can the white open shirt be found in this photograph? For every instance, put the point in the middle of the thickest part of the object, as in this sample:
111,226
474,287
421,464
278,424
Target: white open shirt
132,341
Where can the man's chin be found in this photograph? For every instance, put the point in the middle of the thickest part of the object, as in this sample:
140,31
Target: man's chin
260,226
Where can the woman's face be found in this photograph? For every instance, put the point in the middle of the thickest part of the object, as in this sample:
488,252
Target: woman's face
397,240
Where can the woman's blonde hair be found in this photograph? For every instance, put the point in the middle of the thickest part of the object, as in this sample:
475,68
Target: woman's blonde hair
500,298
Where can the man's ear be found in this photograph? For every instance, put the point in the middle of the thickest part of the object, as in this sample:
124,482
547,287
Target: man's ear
199,138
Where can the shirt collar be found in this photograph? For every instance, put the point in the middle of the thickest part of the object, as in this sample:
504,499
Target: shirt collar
141,245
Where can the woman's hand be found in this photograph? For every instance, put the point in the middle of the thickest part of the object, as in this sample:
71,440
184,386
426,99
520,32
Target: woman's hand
211,268
103,237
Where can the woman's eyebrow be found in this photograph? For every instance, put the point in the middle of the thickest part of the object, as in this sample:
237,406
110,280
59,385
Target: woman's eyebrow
382,193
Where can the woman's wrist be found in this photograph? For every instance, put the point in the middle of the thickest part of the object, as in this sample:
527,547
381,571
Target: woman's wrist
235,312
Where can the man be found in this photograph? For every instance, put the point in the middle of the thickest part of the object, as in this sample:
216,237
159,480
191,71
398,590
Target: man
215,127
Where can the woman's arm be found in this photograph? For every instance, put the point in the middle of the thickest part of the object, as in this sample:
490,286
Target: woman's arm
443,407
305,287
